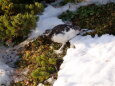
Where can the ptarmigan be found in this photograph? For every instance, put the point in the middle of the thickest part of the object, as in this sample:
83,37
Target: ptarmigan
61,34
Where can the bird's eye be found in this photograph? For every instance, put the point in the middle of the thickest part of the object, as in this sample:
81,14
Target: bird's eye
46,31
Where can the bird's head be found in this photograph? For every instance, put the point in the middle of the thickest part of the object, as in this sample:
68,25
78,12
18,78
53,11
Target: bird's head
47,32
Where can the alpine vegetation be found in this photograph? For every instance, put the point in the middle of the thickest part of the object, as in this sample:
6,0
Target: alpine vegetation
89,63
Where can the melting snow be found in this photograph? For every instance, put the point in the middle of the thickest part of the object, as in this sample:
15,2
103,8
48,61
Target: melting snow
90,63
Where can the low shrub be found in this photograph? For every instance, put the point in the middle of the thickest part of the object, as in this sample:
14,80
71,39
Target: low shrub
46,67
17,19
101,18
34,8
16,26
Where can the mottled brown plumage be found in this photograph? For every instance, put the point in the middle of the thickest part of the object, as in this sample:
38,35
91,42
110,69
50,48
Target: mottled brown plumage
61,34
59,29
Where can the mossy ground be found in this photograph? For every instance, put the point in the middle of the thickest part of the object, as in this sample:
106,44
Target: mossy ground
39,56
100,18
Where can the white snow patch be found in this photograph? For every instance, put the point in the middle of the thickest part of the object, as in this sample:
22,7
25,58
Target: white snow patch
49,19
51,80
97,2
90,63
100,1
5,73
7,59
40,84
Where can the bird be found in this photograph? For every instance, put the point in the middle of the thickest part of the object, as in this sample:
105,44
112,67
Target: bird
62,33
